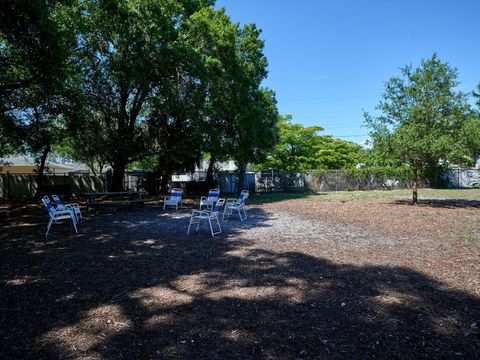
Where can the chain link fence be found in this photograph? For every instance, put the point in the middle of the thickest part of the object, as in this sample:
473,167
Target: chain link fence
18,187
462,178
344,180
324,181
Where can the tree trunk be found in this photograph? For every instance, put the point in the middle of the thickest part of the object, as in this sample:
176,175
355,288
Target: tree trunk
242,169
118,176
209,181
43,159
164,183
415,184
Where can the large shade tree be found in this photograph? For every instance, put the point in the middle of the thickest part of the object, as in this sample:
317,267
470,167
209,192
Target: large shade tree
129,53
116,82
421,117
255,111
215,106
213,37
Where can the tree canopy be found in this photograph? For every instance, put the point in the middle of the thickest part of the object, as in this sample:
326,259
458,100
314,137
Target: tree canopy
35,45
422,118
116,81
304,148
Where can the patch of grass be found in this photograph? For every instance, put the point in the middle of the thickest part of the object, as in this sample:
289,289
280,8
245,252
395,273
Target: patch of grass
275,197
475,226
467,237
466,194
345,196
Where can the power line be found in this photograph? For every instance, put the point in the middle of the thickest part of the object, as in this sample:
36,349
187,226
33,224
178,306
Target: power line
339,127
344,124
329,98
349,136
328,117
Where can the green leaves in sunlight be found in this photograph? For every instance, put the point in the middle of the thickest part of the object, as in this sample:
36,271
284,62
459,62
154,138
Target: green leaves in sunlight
303,148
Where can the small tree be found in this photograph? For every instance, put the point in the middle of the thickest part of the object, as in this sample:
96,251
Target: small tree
470,134
421,117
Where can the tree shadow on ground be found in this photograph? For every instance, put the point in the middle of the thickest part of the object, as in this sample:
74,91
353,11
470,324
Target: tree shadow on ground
443,203
133,285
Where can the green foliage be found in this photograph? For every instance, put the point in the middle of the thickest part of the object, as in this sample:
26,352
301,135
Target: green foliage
421,114
339,154
156,82
421,117
470,134
303,148
35,45
477,95
128,50
402,174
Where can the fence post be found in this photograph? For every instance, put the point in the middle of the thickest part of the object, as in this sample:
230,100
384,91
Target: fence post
304,179
8,185
273,183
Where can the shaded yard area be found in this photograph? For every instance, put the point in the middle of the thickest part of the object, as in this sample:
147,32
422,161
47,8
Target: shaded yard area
334,276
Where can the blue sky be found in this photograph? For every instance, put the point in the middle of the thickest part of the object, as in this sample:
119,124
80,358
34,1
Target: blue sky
328,60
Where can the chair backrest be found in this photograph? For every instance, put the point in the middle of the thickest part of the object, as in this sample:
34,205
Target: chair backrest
213,195
243,196
57,200
48,204
176,193
217,209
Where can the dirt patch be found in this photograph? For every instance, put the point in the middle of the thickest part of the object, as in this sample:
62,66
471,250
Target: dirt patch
432,218
321,283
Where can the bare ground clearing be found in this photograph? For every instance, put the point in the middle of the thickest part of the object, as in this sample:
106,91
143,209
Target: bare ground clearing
305,278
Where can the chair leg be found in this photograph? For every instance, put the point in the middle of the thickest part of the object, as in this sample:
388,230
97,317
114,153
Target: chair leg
240,214
219,226
74,222
226,211
244,214
50,223
189,224
211,228
198,225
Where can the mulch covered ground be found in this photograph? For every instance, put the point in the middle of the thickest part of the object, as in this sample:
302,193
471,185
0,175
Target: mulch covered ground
294,281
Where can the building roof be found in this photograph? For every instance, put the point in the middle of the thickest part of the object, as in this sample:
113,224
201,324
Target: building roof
16,161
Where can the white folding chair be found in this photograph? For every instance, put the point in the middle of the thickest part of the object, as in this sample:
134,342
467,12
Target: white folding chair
174,199
58,214
74,207
210,216
211,199
237,205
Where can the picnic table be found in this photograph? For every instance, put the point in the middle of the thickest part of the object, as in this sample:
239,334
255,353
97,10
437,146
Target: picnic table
96,199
